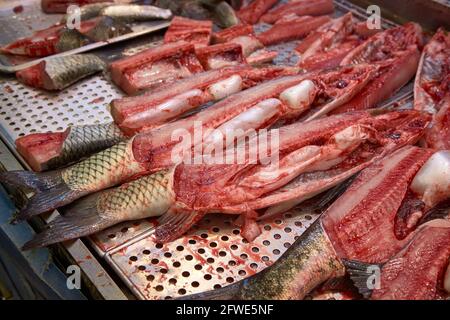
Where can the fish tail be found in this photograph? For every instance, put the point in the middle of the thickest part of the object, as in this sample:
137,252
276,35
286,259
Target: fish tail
50,190
174,224
230,292
80,219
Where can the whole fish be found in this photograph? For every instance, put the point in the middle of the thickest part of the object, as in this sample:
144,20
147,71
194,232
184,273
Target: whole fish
134,12
357,226
86,12
223,13
57,73
233,188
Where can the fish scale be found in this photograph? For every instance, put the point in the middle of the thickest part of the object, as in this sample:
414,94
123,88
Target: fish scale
107,165
80,141
138,194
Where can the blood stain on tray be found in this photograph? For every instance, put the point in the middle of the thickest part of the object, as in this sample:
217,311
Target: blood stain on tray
18,9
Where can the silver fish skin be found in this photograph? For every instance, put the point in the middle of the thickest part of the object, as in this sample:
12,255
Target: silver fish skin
134,12
224,15
88,11
64,71
106,28
57,73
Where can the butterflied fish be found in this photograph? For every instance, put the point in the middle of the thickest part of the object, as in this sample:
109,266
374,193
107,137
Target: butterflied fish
357,226
136,12
58,73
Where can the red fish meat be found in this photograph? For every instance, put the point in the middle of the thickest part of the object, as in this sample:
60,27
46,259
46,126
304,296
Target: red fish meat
220,55
155,66
291,27
432,89
299,8
193,31
251,13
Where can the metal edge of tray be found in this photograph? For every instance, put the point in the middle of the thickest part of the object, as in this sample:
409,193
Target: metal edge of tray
93,270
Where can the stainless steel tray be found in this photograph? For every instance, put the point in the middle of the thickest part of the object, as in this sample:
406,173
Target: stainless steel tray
16,23
213,253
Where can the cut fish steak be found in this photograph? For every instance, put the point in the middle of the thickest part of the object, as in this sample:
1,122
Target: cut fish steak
57,73
432,89
193,31
153,150
291,27
299,8
251,13
313,157
220,55
155,66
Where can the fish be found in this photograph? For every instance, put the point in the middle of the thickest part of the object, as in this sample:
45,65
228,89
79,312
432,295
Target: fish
291,27
144,197
87,11
233,188
220,55
46,151
60,6
299,8
418,272
42,43
151,151
134,12
60,38
57,73
251,13
224,15
195,32
251,189
432,89
357,226
50,150
103,28
397,52
329,45
240,34
155,66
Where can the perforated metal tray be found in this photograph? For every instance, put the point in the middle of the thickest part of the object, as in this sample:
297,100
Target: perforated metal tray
213,253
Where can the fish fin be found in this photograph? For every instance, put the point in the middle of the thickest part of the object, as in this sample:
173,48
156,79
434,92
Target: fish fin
230,292
359,274
50,191
174,224
81,219
29,180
